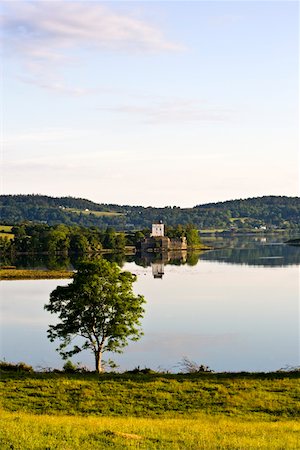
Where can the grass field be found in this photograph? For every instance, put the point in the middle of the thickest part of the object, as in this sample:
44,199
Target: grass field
159,411
20,274
5,232
242,219
26,432
5,228
168,395
95,213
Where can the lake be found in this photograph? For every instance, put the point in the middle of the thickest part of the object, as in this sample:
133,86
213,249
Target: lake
233,309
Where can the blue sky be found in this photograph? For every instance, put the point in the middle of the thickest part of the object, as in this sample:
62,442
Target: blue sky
150,103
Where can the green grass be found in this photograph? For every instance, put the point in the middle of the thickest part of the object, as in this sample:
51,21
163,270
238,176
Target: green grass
5,232
242,219
26,432
153,411
262,396
20,274
6,228
95,213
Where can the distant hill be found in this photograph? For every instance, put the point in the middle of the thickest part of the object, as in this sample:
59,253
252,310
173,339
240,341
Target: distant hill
268,212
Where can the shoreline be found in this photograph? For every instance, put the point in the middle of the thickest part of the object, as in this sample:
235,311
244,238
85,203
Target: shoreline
32,274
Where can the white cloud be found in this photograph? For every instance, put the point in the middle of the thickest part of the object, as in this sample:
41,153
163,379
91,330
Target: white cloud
43,31
47,35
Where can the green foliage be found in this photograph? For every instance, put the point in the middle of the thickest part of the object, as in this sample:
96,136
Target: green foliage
192,236
270,211
60,239
69,367
99,306
189,231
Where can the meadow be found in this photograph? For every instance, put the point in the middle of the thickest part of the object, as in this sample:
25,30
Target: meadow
94,213
5,232
5,228
26,432
150,411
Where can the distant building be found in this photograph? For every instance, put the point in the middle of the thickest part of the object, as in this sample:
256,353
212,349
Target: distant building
158,229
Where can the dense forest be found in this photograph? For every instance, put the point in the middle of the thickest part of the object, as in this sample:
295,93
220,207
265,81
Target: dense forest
269,212
30,238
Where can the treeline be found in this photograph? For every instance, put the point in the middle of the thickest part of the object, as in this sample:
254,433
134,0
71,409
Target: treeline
270,212
62,239
44,201
278,211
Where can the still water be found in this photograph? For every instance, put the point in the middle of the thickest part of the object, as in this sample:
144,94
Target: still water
232,309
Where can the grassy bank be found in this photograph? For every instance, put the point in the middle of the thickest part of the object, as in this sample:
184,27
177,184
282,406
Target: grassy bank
261,396
152,411
20,274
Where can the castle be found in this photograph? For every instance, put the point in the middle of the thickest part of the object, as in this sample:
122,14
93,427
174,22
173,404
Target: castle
160,243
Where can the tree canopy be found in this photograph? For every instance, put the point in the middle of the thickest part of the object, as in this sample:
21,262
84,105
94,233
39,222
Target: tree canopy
270,211
98,306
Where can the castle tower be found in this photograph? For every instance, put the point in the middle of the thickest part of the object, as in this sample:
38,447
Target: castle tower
157,230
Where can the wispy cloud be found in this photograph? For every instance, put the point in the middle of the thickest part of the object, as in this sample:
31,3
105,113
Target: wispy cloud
175,110
55,85
44,33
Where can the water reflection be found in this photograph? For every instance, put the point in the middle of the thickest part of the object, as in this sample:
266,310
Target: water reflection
157,261
158,269
264,251
229,317
232,308
257,254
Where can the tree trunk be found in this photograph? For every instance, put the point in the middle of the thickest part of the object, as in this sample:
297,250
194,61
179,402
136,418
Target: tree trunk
98,361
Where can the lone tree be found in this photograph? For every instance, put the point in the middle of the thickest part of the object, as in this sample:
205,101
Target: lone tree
99,306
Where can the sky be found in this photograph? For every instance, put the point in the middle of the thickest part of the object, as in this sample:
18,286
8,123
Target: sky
157,103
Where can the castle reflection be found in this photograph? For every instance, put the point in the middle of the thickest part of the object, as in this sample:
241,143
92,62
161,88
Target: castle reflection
157,261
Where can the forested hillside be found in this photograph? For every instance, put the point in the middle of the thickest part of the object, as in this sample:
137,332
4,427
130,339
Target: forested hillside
269,212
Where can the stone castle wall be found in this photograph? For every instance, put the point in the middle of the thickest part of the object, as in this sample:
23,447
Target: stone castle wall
163,243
